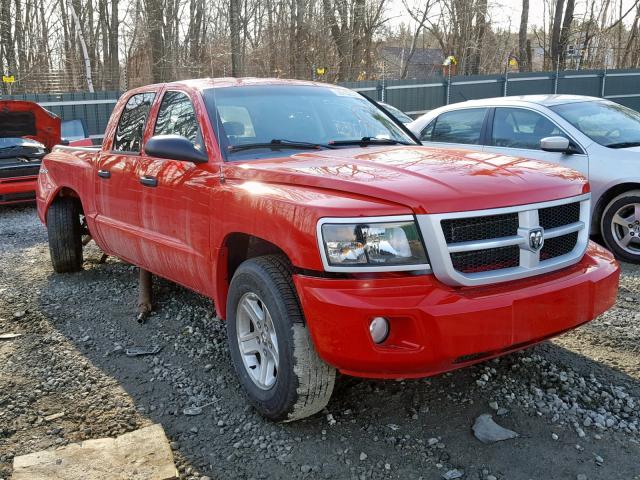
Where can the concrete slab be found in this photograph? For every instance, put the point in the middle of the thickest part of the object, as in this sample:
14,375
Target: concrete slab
143,454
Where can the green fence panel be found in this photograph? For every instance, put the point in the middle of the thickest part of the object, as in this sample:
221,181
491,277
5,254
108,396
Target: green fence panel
412,96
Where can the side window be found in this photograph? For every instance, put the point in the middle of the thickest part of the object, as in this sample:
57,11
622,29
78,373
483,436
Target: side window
130,128
425,134
177,117
459,126
521,128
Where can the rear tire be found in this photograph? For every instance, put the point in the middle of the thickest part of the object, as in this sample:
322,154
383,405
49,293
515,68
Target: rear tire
65,235
620,226
297,383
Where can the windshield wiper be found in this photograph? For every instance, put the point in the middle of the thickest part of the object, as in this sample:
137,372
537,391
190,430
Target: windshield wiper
277,144
623,144
364,141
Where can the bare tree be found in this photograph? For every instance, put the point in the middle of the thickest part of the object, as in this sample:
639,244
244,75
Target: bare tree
420,15
524,48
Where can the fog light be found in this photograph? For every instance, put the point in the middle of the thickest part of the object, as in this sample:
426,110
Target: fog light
379,329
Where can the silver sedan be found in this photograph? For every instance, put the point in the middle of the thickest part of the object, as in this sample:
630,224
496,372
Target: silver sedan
597,137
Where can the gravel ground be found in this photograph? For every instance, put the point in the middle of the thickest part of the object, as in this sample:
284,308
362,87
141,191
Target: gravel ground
575,401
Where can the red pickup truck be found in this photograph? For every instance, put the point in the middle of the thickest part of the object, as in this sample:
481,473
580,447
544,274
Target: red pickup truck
328,238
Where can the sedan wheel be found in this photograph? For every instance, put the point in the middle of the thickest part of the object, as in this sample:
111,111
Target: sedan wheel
625,228
621,226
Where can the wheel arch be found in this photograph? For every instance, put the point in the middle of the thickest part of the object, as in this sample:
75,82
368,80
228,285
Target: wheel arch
60,192
236,248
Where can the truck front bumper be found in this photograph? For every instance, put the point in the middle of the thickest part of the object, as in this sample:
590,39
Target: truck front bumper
435,328
18,189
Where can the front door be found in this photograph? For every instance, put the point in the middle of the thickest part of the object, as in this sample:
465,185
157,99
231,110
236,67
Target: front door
175,208
457,128
118,192
518,131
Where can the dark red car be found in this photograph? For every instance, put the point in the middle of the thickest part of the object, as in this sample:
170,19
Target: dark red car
27,133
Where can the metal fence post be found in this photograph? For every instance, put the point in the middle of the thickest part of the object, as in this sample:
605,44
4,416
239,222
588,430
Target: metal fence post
383,81
449,85
506,83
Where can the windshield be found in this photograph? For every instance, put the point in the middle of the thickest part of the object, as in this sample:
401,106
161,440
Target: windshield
73,130
606,123
11,142
399,114
277,118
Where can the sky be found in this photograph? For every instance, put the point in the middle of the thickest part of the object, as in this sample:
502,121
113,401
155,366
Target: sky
509,11
506,13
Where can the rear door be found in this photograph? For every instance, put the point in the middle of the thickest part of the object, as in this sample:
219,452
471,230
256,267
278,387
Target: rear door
464,128
117,187
175,199
517,131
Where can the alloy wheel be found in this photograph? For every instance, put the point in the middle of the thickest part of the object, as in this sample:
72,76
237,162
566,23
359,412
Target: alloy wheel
625,228
257,340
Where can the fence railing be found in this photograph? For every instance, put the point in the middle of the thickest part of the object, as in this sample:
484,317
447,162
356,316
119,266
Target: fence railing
411,96
417,97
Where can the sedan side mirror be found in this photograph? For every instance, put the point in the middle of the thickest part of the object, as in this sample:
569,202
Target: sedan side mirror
556,144
174,147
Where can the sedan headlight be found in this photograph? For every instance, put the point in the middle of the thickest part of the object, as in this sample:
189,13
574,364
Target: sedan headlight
373,244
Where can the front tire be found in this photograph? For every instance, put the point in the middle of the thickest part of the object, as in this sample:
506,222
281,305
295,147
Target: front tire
620,226
270,346
65,235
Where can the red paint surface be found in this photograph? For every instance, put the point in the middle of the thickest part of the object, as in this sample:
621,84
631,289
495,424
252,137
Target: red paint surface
47,124
180,231
432,325
17,185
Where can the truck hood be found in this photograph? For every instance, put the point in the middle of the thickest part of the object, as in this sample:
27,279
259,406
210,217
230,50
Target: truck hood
425,179
27,119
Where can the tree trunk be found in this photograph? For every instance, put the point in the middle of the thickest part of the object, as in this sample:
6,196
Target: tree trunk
114,54
234,30
565,32
6,36
155,23
555,33
481,28
523,58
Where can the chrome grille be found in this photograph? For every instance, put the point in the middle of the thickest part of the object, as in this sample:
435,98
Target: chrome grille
489,246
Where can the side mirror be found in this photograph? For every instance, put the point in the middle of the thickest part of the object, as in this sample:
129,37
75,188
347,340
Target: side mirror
174,147
556,144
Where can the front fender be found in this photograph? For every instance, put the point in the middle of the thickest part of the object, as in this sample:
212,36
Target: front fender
286,216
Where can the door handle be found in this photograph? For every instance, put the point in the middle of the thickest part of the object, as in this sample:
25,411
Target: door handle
149,181
104,173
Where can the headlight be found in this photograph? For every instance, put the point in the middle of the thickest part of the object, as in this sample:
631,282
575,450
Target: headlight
371,244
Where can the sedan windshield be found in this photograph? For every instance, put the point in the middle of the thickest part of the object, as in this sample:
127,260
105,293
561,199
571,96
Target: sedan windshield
606,123
264,121
396,112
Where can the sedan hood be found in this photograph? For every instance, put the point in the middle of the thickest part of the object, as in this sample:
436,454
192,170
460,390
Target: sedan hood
427,180
29,120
